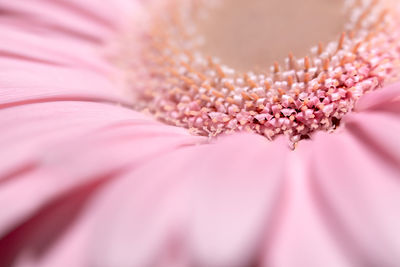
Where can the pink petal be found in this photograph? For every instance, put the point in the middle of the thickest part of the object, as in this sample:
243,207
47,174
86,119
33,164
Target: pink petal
53,50
235,195
356,180
42,83
52,147
90,21
217,209
54,139
343,197
300,236
167,212
386,99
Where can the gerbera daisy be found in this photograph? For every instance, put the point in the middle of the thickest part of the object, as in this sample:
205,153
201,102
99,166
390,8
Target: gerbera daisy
199,133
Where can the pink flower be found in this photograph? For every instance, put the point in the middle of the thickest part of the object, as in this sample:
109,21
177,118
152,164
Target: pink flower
87,181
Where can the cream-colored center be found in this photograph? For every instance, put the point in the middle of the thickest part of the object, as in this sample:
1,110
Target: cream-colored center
252,34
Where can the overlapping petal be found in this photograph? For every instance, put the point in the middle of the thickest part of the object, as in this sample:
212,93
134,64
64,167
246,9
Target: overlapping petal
64,124
93,183
178,214
356,180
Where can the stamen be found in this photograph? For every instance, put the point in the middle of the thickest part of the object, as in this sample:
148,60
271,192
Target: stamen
185,88
306,63
320,48
276,67
341,41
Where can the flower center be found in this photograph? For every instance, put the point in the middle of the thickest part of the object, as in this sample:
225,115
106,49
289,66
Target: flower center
180,80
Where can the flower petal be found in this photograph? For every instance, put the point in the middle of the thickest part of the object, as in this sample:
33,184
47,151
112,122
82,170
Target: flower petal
343,194
177,214
386,99
52,147
212,204
356,180
301,237
45,84
90,21
56,66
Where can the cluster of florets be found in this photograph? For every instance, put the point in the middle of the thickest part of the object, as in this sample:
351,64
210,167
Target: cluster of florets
186,89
